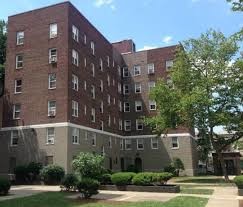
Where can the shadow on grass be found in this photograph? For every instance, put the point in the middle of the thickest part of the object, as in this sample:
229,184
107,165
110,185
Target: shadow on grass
204,180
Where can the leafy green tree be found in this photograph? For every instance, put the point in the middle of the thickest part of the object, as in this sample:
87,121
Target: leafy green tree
206,91
3,39
237,5
178,165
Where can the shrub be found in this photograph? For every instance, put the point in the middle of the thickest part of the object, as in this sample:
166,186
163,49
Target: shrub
70,182
238,180
52,174
4,186
178,165
88,187
105,179
162,178
34,170
170,169
89,165
21,173
122,178
132,168
145,178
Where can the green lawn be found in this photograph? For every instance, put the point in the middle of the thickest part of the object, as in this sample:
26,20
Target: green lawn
196,191
54,199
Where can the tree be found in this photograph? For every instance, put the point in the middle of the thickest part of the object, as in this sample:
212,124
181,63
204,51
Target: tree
178,165
237,5
206,91
3,39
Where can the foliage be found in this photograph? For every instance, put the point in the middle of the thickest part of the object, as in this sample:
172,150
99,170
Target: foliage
105,179
237,5
69,182
122,178
3,42
34,169
21,173
163,177
207,90
89,165
52,174
178,165
170,169
88,187
4,186
238,180
145,178
132,168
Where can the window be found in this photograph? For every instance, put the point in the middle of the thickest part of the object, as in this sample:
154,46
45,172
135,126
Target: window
20,38
85,62
75,33
168,64
138,106
85,85
92,46
126,107
14,138
92,69
50,137
120,124
110,142
93,114
74,82
101,107
120,106
152,105
119,70
154,143
137,70
85,39
75,57
19,61
140,144
75,136
53,30
86,135
151,85
52,55
126,89
93,139
113,82
52,81
121,144
138,88
108,99
151,68
108,80
127,125
119,88
85,109
101,86
114,120
128,144
113,63
16,111
101,64
109,120
18,86
139,124
102,125
108,61
75,108
93,92
126,72
175,142
51,108
114,101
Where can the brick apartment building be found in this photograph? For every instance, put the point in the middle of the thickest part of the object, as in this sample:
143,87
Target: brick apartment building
68,89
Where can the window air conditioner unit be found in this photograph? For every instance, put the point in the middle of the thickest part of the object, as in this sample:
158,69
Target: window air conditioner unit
151,72
53,60
52,113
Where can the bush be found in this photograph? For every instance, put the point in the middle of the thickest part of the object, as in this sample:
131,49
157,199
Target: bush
52,174
70,182
4,186
170,169
122,178
34,170
89,165
162,178
105,179
145,178
88,187
238,180
21,173
132,168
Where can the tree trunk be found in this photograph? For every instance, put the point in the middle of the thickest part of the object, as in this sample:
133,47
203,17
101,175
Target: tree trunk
223,167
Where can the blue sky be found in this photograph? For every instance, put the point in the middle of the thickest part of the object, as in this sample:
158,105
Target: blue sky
150,23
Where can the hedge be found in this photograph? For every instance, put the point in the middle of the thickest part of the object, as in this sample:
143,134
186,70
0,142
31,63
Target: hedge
52,174
4,186
122,178
238,180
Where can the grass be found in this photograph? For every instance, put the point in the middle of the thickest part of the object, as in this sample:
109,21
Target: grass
56,199
197,191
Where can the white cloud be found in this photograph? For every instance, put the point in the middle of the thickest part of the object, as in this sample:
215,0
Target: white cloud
100,3
113,7
147,47
167,39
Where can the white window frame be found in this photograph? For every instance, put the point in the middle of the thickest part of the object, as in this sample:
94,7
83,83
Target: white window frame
85,39
108,80
109,120
75,136
119,70
125,103
17,87
52,56
102,107
85,110
75,33
151,103
108,61
93,139
19,61
92,69
174,140
75,82
138,87
50,81
53,30
75,57
93,115
101,86
128,142
126,89
85,62
92,46
50,138
101,64
16,111
74,108
136,70
52,109
92,91
102,125
168,64
140,142
14,137
119,87
108,99
151,85
138,122
125,72
120,106
127,125
20,38
151,68
138,104
85,85
154,140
